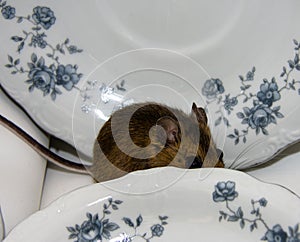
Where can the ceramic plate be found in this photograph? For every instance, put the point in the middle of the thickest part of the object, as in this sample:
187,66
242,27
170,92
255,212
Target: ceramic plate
239,59
207,204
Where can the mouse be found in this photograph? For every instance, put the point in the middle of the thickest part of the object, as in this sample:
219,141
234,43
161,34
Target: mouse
160,136
141,136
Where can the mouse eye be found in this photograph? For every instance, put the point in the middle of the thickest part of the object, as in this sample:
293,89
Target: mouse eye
194,162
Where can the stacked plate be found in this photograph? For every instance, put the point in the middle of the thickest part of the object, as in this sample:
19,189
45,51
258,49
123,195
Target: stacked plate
239,60
207,204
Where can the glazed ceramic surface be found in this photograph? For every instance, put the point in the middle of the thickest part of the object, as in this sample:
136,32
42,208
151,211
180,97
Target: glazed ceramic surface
239,59
211,204
2,229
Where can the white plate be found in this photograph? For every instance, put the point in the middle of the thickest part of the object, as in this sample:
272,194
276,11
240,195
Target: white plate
171,52
206,205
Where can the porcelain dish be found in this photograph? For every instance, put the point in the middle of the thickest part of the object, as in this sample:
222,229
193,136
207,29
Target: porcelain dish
206,204
239,59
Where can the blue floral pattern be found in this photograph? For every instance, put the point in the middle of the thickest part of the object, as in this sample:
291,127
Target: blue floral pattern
268,92
263,111
212,88
8,12
67,76
99,229
44,73
50,76
43,16
225,192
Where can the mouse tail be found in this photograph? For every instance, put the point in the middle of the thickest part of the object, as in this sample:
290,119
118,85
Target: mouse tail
42,150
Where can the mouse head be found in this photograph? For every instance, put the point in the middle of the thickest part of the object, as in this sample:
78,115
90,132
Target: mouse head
188,142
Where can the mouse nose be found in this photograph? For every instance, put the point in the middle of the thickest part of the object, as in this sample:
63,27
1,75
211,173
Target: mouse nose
194,162
220,154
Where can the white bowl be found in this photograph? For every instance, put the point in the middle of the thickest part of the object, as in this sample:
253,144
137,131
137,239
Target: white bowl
71,69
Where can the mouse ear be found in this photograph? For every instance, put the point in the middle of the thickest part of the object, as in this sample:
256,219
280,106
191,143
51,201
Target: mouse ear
200,113
170,131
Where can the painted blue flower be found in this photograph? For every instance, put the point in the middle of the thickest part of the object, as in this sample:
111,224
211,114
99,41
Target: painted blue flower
67,76
263,202
224,191
250,75
90,231
157,230
276,234
229,103
38,40
42,78
212,87
8,12
268,92
72,49
258,117
43,16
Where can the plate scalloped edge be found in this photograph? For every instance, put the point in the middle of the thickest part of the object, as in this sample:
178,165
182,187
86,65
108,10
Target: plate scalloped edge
225,195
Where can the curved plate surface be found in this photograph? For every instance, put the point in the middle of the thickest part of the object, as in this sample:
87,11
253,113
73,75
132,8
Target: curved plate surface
214,204
240,60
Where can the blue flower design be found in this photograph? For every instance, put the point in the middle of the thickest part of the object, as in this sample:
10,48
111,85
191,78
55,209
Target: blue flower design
96,229
212,87
224,191
38,40
41,77
268,92
263,202
250,75
48,77
276,234
8,12
67,76
157,230
262,113
90,231
43,16
229,103
72,49
258,117
93,229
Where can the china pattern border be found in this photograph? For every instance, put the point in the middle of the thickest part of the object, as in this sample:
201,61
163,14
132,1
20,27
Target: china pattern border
264,110
97,228
225,192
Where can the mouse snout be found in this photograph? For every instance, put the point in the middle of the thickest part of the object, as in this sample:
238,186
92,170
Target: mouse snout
194,162
220,154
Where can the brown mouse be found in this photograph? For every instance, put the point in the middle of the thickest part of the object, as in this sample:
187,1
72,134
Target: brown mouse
142,136
184,141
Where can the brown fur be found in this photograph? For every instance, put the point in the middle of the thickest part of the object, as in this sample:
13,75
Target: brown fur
111,162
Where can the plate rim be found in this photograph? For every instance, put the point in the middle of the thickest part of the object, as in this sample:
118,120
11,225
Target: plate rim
56,204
